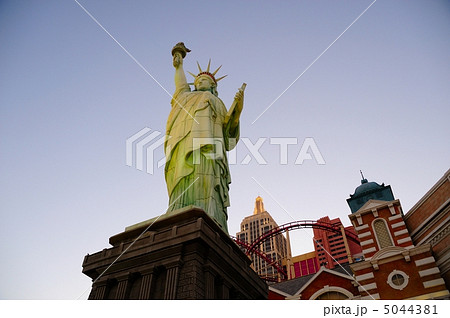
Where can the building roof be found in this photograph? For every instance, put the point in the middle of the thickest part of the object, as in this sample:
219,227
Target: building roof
367,186
259,206
294,285
369,190
304,256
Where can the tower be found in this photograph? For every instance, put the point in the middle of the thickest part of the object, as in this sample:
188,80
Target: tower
393,267
253,227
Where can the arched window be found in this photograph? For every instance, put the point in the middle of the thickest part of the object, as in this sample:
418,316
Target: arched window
331,295
382,234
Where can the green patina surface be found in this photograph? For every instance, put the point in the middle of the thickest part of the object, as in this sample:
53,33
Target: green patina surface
199,132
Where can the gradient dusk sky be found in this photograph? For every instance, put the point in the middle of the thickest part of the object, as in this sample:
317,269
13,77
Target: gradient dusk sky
376,100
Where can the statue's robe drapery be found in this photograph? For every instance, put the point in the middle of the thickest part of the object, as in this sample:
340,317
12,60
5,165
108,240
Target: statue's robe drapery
197,171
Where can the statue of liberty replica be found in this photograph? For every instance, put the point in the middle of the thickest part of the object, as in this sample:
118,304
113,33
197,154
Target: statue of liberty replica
200,130
185,254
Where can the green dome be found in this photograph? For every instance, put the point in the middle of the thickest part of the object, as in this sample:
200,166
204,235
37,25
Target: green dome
366,187
369,191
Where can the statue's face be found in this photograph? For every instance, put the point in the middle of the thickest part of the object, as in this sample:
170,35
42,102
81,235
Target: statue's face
203,83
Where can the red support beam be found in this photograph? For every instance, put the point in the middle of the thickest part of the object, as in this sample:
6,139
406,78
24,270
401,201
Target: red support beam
298,225
251,248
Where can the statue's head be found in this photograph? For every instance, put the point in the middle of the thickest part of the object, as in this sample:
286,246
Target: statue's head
205,81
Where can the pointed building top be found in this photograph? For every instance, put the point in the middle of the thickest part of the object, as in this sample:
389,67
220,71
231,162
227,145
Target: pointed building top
259,206
369,190
363,180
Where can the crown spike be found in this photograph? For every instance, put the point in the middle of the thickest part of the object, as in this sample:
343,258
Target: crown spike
192,74
209,64
216,70
220,78
199,68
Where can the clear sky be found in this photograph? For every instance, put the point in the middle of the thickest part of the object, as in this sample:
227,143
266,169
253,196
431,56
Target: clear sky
70,96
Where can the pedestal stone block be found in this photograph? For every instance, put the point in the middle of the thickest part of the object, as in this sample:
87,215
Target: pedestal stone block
182,255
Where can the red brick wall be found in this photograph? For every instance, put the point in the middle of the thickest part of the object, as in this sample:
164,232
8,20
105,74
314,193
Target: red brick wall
383,213
354,247
326,278
275,296
415,285
416,218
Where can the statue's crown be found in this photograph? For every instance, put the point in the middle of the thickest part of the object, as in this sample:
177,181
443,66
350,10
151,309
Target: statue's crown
207,73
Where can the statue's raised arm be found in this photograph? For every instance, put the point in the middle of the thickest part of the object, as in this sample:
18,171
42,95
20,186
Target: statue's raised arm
179,51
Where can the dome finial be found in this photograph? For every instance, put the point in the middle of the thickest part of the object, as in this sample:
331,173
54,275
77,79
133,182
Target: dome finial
363,180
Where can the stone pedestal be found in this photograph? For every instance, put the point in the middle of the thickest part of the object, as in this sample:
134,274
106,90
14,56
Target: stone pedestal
184,255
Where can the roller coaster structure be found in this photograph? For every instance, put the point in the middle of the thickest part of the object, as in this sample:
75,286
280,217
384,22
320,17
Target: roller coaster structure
251,248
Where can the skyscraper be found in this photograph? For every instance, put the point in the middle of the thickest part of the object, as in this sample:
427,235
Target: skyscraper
333,248
275,247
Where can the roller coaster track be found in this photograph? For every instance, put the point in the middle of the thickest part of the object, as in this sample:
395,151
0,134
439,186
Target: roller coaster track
300,225
252,247
262,255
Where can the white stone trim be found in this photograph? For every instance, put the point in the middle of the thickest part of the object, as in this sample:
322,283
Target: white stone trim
433,283
424,261
370,297
391,209
398,233
437,231
387,229
294,297
366,287
378,204
430,271
395,217
366,242
279,292
328,288
369,250
364,276
397,272
375,212
359,219
389,252
362,227
362,235
404,240
395,225
438,294
321,270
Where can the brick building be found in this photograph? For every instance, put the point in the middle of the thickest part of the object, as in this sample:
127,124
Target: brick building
403,256
326,284
428,221
393,267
